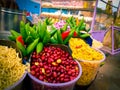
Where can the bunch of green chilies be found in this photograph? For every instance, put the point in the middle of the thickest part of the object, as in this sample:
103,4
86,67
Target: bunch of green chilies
34,37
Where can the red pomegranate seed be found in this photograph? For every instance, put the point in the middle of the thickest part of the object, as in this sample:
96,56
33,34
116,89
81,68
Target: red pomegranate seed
50,60
40,72
43,57
33,56
33,72
73,74
62,79
45,67
66,80
71,77
62,75
41,64
41,77
48,71
69,72
73,70
54,74
37,70
33,67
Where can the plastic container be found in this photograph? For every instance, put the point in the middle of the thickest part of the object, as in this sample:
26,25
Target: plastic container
89,70
40,85
19,84
10,44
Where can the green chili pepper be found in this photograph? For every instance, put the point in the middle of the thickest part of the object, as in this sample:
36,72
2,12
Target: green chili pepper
87,30
22,30
33,33
69,36
85,35
52,32
50,21
82,27
39,47
15,33
46,21
77,30
64,28
69,21
43,29
27,28
71,25
59,37
32,46
12,38
34,27
53,40
38,28
55,35
73,21
21,47
46,37
81,23
29,40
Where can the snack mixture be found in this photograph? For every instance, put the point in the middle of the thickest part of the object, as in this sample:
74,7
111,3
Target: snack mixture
82,51
11,67
89,58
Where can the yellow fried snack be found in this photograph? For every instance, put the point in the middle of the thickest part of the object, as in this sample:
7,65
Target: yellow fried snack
82,51
11,67
89,71
89,59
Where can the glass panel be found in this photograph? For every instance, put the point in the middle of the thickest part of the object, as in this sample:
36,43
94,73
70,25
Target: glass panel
116,39
109,40
10,15
104,19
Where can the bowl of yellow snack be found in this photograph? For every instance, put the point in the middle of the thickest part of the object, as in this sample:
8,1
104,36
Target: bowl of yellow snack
89,58
12,71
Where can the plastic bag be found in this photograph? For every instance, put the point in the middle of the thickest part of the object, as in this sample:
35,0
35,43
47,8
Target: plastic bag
107,40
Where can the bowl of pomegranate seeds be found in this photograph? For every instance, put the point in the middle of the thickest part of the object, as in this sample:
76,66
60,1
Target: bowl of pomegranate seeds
54,69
